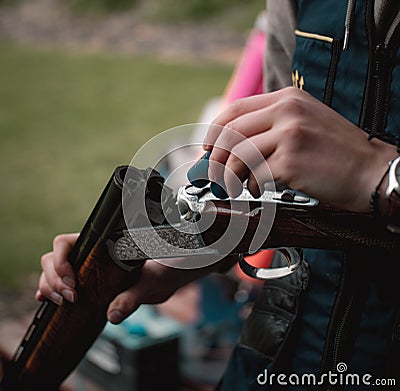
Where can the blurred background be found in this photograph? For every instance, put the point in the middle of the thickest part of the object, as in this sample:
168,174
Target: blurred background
83,85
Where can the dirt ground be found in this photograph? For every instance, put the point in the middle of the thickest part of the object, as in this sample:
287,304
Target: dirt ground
16,303
51,22
16,312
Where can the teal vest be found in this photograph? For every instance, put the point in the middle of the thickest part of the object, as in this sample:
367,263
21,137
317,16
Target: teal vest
349,311
363,82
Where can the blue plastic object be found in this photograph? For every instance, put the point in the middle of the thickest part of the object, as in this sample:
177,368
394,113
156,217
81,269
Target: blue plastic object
198,173
218,190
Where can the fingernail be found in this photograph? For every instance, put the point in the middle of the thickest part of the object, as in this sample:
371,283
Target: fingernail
116,316
256,193
68,295
38,294
69,281
56,298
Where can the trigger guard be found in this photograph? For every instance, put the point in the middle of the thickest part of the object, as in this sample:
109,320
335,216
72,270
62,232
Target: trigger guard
292,256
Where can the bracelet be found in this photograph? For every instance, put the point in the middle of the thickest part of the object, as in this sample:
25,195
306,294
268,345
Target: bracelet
373,203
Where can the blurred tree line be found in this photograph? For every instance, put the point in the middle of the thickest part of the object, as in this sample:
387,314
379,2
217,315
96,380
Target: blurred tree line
236,14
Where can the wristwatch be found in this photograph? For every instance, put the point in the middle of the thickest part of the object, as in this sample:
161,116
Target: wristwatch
393,189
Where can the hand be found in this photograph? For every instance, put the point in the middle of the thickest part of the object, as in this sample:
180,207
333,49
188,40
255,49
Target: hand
306,145
57,281
157,282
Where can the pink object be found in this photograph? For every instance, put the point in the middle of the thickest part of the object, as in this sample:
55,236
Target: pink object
247,78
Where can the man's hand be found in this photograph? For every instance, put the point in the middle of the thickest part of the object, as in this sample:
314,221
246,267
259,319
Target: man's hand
306,145
157,282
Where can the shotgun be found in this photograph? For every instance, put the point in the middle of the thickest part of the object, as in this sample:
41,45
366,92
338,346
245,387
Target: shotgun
136,218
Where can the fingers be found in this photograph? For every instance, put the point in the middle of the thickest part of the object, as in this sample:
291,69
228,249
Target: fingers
62,246
259,177
236,110
243,142
46,291
148,290
269,115
234,133
156,284
57,281
247,159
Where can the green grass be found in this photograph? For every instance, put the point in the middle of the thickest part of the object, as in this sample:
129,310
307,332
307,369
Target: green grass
66,120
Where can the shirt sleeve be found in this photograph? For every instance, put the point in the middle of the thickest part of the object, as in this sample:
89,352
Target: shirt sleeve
280,44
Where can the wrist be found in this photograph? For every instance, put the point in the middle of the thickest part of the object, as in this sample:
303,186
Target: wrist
367,171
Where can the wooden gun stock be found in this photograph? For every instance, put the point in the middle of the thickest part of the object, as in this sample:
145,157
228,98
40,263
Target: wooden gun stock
281,219
321,226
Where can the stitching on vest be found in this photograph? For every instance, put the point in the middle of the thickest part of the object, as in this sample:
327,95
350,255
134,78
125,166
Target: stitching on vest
313,36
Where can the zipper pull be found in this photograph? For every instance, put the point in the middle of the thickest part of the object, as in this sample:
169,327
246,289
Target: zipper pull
348,24
346,39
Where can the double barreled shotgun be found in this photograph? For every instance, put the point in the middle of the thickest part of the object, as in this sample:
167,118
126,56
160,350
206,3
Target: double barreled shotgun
149,222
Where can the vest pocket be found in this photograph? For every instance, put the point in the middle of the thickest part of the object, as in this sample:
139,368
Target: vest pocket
265,330
315,63
276,307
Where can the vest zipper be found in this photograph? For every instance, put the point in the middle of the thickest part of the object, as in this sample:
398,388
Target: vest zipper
346,315
340,323
330,81
377,93
377,103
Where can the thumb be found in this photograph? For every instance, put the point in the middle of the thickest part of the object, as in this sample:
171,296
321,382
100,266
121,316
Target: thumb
122,306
